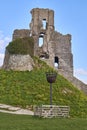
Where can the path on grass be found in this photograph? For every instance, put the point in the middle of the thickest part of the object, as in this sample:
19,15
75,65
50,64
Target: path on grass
14,110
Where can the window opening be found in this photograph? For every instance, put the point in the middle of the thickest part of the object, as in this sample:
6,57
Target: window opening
56,62
41,39
44,23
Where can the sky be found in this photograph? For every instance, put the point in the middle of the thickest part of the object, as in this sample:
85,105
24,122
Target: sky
70,18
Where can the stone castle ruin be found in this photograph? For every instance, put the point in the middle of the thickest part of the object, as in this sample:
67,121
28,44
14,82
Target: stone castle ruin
49,45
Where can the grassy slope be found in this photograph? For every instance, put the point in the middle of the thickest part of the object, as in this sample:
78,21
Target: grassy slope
31,88
21,122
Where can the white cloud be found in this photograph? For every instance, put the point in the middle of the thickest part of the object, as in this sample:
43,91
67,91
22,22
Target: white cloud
4,40
1,56
1,59
81,74
85,81
35,3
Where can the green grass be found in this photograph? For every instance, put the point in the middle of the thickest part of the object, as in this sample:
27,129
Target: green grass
23,122
26,89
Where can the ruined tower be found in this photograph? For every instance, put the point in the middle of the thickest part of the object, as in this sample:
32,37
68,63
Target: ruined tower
51,46
41,25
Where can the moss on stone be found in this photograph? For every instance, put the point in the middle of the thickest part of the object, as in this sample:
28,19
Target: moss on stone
21,46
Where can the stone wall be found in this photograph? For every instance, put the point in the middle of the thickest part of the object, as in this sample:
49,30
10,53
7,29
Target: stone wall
79,84
18,62
48,111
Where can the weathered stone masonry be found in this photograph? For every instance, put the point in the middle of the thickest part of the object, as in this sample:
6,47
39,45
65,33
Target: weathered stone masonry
49,45
55,46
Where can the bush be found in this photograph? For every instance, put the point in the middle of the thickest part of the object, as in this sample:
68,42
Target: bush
21,46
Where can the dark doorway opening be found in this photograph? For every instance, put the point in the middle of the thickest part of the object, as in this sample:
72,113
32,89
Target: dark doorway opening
56,62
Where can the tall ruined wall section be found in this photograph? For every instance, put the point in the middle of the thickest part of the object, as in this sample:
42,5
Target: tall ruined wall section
62,50
39,16
55,45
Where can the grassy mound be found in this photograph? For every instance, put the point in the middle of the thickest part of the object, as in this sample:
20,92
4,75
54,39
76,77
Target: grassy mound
26,89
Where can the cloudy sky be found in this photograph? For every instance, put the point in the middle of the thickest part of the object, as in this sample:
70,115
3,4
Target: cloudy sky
70,18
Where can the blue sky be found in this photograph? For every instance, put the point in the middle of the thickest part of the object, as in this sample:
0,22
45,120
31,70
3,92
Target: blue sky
70,18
